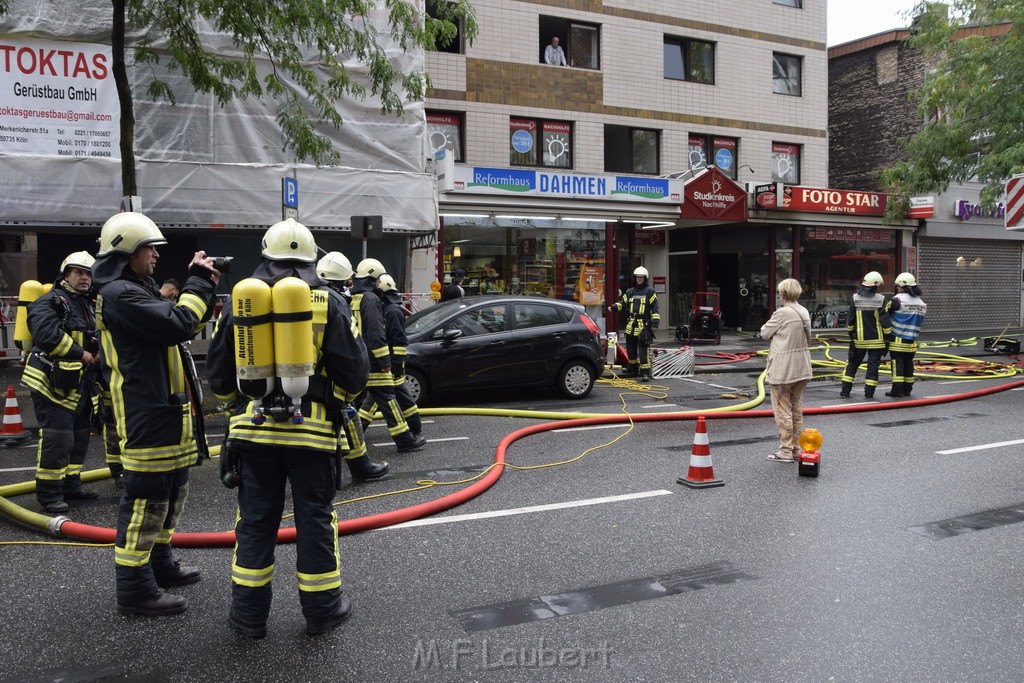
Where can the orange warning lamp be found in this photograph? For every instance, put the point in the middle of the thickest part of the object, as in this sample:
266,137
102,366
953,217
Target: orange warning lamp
808,459
435,286
810,440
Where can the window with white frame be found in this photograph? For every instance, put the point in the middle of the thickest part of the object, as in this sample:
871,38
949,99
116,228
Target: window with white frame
786,74
785,163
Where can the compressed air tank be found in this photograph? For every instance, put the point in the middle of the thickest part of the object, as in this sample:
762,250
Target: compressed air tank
254,337
294,353
30,291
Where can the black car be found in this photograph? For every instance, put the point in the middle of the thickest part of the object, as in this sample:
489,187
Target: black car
503,341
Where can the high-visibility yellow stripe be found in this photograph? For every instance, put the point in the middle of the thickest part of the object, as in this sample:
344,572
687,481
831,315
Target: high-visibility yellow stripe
253,578
193,303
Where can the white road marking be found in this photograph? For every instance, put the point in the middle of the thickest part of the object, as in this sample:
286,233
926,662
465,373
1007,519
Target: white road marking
18,469
862,403
584,429
384,424
722,386
450,438
532,508
958,381
982,447
661,405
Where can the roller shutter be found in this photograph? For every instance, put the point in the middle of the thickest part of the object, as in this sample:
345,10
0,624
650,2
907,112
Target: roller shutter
970,284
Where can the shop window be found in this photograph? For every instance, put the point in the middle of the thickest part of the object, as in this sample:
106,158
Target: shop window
785,163
436,9
580,42
789,3
534,142
445,131
786,74
689,60
714,150
631,150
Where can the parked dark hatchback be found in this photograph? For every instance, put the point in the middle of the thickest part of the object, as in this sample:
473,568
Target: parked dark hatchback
503,341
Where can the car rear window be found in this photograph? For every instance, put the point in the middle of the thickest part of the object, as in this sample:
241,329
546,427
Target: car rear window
539,315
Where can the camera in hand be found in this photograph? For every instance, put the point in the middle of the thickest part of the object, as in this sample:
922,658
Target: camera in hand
222,263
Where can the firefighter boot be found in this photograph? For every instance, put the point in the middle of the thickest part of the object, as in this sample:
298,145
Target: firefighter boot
50,495
869,392
73,489
408,442
907,388
341,614
645,375
154,605
168,572
364,469
845,391
897,390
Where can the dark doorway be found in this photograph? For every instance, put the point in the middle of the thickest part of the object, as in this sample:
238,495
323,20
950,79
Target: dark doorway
723,275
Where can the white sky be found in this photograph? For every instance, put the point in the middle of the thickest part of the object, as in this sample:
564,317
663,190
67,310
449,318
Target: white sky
852,19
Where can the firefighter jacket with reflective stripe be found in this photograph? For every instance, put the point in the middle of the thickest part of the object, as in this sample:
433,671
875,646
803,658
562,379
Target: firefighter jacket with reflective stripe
63,327
369,316
341,368
641,307
394,323
142,363
906,312
868,322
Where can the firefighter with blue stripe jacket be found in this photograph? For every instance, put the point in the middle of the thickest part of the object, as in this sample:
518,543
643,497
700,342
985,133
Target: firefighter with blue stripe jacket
155,398
61,373
870,332
906,312
277,451
640,304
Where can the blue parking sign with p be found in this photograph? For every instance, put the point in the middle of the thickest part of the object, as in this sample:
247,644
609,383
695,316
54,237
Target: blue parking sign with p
290,192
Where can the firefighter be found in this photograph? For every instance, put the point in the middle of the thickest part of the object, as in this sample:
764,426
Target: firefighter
380,390
279,451
394,323
906,313
641,306
152,389
868,325
336,270
61,373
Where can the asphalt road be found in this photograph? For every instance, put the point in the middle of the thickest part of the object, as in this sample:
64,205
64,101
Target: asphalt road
900,562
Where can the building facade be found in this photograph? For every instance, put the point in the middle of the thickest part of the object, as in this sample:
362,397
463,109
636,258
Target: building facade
969,266
647,96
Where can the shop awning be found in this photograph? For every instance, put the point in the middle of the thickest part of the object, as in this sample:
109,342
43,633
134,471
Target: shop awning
626,211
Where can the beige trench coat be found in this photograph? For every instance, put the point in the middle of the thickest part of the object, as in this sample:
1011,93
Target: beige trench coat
789,330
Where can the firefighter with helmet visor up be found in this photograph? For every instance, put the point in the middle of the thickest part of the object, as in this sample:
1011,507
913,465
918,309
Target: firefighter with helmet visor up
870,332
285,426
906,312
156,402
62,372
641,306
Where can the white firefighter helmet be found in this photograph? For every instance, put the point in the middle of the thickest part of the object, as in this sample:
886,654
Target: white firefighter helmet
289,240
370,267
906,280
125,232
641,272
334,266
387,283
79,259
873,279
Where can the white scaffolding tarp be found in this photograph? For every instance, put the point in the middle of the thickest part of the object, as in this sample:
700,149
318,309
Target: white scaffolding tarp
197,162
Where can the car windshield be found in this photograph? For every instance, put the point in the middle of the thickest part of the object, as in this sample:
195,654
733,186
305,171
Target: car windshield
428,317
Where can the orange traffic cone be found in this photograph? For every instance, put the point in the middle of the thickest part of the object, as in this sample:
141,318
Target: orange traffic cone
12,431
701,473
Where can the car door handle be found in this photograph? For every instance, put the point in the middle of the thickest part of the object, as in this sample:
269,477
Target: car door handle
558,334
497,343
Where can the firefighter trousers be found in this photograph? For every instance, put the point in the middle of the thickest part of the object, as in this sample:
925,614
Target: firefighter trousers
63,443
266,471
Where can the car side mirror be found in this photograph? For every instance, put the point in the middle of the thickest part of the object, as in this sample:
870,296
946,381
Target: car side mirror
450,335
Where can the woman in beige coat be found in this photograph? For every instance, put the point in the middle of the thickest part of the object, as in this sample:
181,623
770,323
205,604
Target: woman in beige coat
789,366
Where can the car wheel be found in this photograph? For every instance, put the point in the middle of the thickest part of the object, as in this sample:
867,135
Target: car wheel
575,379
416,385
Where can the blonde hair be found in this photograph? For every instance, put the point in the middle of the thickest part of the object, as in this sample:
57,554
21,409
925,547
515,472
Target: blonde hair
790,289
